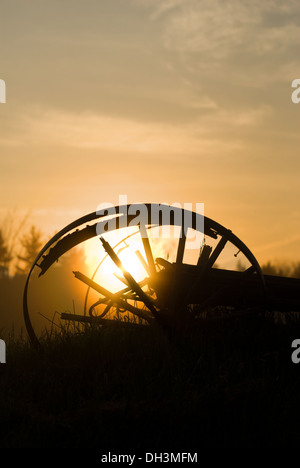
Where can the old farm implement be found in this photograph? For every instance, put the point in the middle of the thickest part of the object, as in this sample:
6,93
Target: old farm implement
157,264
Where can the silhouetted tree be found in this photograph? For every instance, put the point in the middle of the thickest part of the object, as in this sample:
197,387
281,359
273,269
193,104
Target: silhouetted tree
296,270
276,269
5,256
12,225
31,243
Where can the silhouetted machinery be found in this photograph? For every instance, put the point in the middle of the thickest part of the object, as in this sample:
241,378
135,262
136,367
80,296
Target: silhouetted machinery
189,268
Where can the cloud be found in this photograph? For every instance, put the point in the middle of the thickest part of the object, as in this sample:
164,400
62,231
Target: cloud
217,29
96,131
276,245
240,35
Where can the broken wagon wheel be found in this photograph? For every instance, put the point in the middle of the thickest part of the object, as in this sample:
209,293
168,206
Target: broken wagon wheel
179,282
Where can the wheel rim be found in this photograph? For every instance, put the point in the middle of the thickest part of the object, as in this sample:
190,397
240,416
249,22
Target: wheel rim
170,286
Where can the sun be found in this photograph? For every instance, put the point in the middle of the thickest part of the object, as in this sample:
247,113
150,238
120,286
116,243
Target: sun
130,252
127,244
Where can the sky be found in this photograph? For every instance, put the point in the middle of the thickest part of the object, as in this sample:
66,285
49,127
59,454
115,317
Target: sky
175,101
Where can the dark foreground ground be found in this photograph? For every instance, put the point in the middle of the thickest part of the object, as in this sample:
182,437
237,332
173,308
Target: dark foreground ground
226,384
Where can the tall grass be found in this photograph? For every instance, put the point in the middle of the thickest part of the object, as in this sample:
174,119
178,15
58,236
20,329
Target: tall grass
224,384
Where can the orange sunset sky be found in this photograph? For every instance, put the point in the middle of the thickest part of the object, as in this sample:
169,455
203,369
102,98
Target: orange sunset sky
185,101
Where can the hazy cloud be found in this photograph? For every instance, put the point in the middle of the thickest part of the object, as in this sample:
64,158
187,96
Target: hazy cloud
237,37
90,131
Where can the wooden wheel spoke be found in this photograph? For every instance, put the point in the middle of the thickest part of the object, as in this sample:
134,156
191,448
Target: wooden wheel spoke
206,261
176,270
164,263
142,261
116,298
148,251
129,278
181,247
216,252
204,256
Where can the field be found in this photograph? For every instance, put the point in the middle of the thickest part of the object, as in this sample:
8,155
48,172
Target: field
229,383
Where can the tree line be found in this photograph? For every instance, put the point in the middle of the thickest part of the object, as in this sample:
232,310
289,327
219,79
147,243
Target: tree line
23,256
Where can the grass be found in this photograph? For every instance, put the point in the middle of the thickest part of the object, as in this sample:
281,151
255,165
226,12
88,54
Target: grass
224,384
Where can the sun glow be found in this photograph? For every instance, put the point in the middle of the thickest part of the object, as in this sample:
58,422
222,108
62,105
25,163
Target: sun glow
103,270
134,253
133,262
128,245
